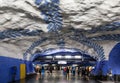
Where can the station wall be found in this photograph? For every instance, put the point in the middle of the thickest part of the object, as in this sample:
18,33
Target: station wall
6,64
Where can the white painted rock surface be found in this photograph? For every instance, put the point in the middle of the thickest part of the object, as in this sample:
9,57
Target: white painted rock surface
83,14
78,13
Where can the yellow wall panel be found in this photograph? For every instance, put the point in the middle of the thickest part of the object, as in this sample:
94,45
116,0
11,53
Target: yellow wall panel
22,71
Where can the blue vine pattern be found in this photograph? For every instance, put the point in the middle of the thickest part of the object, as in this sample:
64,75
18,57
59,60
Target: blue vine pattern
14,33
34,44
115,37
52,13
90,40
95,46
89,43
108,27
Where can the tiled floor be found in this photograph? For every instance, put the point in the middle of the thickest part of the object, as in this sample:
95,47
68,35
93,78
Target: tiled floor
56,77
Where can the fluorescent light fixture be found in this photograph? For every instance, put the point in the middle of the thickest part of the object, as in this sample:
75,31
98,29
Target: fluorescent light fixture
78,57
68,56
48,56
58,56
62,62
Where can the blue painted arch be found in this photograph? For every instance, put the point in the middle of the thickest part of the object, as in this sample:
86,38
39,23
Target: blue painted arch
62,51
44,39
114,59
112,63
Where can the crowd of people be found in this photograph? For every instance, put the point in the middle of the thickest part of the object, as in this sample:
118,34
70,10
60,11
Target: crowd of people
67,71
41,70
79,71
83,72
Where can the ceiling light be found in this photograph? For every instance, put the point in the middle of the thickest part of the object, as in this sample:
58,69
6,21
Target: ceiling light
78,57
48,56
68,56
58,56
62,62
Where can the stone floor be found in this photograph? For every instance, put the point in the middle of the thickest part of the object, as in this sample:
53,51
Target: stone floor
57,77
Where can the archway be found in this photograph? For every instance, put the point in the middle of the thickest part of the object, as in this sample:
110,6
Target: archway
114,59
63,57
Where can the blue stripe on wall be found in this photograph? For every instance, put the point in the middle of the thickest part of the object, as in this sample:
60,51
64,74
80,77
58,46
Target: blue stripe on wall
6,63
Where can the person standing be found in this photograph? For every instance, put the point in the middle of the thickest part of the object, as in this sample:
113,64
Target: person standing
67,72
37,69
110,76
73,71
64,70
51,68
78,71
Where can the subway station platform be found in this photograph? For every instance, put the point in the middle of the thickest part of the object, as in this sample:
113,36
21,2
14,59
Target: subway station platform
54,35
58,77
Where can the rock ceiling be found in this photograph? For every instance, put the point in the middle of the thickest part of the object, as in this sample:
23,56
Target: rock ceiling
81,24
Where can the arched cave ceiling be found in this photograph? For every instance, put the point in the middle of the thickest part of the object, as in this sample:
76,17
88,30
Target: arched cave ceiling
85,24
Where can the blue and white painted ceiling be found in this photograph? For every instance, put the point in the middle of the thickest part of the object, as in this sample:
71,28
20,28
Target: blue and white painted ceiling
66,26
